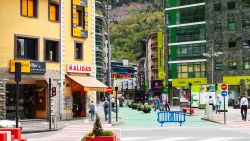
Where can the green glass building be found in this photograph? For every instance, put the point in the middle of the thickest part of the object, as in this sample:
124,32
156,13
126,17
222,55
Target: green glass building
185,25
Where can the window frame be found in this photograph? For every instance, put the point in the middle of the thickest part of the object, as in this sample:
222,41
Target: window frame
231,22
36,9
217,4
16,36
244,62
232,42
82,55
230,67
82,21
51,2
218,63
58,50
229,3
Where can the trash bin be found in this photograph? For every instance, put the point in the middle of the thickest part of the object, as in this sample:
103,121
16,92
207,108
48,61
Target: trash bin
54,121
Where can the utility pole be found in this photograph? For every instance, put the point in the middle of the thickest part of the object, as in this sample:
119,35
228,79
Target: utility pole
109,58
18,71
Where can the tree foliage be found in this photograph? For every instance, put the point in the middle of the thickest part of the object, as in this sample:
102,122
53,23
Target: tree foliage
126,35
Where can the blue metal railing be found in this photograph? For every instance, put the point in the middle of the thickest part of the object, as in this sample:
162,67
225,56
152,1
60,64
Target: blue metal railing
171,116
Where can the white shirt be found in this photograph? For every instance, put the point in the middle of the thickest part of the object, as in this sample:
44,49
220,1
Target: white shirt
243,101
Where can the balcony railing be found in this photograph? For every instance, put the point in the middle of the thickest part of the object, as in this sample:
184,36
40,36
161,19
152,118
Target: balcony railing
154,67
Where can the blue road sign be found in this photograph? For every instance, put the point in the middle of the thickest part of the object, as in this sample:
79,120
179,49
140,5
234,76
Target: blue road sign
224,93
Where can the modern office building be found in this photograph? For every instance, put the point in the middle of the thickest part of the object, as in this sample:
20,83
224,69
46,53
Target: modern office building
186,30
227,31
101,44
48,46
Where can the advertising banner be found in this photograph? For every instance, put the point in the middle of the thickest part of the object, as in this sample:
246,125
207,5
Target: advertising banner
161,73
164,98
156,85
203,96
185,82
195,91
184,95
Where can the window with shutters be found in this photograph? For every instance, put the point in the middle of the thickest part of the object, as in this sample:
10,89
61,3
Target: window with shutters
54,9
29,8
78,50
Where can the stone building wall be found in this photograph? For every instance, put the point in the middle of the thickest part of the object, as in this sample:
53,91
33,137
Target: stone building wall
237,54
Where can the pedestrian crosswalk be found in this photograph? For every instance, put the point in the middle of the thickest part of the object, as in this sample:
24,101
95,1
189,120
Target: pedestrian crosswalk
185,139
240,124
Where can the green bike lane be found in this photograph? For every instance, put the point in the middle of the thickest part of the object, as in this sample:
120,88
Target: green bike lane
137,119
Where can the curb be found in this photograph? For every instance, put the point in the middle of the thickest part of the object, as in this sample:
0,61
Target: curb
211,121
118,123
41,131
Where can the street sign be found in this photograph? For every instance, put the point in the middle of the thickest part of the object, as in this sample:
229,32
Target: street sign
224,93
224,86
53,93
109,90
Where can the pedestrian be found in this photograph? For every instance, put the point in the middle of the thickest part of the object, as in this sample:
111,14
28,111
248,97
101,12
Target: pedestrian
113,102
157,103
92,110
211,102
217,105
243,107
106,109
167,108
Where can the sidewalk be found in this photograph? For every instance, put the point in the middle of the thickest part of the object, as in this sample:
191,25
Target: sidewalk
233,118
32,126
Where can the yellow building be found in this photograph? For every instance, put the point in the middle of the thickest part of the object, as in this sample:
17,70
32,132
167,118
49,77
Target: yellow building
31,33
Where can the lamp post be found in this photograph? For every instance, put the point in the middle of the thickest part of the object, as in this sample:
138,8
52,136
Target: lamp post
211,54
109,56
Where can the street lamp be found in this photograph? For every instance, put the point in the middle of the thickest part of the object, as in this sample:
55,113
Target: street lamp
211,54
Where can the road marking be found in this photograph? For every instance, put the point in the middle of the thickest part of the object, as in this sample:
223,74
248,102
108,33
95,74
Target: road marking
174,139
220,139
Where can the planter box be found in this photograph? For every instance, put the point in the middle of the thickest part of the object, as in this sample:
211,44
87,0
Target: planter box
102,138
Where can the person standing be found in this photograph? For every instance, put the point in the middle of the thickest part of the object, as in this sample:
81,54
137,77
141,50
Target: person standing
217,105
211,102
167,108
113,102
157,103
106,109
243,107
92,110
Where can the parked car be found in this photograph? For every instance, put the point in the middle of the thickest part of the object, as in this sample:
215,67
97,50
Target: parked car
9,123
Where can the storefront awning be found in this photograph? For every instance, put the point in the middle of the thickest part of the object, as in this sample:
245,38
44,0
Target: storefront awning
89,83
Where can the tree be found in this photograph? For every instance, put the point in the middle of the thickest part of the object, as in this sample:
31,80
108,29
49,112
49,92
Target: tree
243,87
97,129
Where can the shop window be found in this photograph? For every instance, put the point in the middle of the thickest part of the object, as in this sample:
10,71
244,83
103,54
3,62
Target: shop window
246,44
79,50
231,44
218,66
231,5
217,7
232,65
79,16
29,8
232,25
218,26
246,65
26,48
52,51
54,11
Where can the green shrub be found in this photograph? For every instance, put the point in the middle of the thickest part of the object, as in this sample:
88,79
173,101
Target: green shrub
139,108
107,133
146,109
134,106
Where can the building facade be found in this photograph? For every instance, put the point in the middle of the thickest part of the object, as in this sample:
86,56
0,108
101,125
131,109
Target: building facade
48,47
186,31
228,31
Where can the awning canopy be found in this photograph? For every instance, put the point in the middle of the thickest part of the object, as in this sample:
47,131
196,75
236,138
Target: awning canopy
89,83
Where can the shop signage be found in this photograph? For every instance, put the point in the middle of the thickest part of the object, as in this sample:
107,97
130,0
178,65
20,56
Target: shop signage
34,67
77,68
185,82
156,85
235,80
161,73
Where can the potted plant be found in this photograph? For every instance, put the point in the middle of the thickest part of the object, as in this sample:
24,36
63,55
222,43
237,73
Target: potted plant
98,134
146,109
